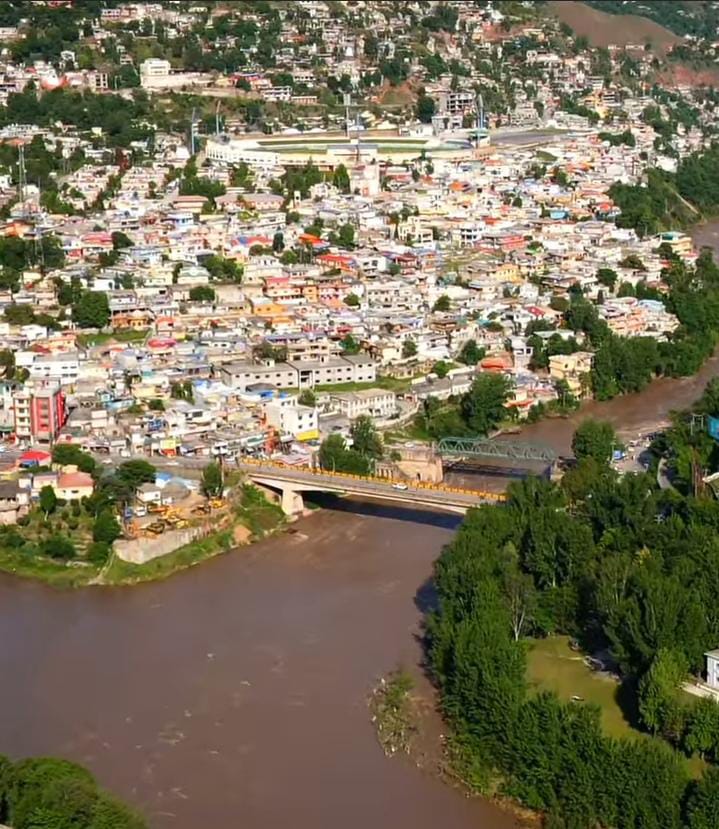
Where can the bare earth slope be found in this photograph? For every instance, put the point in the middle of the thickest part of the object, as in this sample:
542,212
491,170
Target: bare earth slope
620,29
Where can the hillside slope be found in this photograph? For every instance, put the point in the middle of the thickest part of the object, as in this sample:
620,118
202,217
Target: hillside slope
601,28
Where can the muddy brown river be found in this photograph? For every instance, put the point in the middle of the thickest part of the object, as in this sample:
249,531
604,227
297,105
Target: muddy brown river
235,694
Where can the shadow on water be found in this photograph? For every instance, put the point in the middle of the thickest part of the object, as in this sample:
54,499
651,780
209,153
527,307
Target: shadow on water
425,598
380,509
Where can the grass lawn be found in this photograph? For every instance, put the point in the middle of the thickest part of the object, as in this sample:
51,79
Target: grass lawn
116,336
390,383
48,570
553,666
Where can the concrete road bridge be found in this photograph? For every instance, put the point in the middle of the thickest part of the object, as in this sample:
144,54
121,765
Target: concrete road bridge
292,482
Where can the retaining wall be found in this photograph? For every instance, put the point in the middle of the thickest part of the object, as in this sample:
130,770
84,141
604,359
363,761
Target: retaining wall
142,550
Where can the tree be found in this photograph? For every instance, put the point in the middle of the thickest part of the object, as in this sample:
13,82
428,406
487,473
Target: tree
212,483
426,108
594,439
659,690
346,236
92,310
58,546
202,293
349,345
471,353
19,314
701,735
365,438
98,553
521,598
483,406
109,813
66,454
135,473
703,802
441,369
48,500
278,242
633,262
409,349
341,179
608,277
106,528
120,240
307,398
156,405
352,301
442,304
335,456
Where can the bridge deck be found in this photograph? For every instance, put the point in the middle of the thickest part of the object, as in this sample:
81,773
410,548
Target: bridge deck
308,480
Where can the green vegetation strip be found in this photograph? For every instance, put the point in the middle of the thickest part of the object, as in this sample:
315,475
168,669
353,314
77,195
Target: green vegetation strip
393,713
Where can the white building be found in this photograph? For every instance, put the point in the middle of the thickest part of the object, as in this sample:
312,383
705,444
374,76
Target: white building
237,150
288,416
377,403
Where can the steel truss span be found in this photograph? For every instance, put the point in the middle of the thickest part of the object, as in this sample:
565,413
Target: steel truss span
486,448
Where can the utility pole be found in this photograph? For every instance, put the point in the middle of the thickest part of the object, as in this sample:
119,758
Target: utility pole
22,176
348,104
480,118
217,119
193,128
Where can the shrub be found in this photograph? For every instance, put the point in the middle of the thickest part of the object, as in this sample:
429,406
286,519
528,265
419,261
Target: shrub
58,546
98,552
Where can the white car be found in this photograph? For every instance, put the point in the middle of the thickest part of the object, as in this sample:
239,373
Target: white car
401,487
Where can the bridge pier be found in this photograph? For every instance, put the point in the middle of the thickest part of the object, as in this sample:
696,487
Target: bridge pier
292,502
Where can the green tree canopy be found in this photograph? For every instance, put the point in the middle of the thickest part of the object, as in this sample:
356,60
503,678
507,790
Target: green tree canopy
594,439
92,310
212,484
483,406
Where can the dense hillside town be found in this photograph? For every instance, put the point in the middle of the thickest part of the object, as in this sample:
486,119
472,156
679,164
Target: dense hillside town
243,244
194,261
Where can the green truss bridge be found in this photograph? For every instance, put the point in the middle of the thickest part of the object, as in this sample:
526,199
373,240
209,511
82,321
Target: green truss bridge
482,448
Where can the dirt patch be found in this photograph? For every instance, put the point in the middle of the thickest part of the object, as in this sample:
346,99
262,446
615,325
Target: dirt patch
400,95
679,74
603,29
241,534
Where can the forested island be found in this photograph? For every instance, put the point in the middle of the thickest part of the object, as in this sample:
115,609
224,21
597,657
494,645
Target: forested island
627,570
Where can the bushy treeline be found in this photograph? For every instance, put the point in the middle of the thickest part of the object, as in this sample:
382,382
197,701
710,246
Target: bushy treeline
668,199
47,793
617,563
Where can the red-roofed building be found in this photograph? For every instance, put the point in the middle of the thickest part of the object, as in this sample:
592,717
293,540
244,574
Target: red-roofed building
35,457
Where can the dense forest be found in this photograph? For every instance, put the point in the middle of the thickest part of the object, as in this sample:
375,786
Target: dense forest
47,793
623,567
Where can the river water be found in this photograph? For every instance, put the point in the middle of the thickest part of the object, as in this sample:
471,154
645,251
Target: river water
235,694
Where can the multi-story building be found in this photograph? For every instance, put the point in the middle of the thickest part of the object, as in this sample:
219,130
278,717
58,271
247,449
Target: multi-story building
378,403
40,413
300,374
289,417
